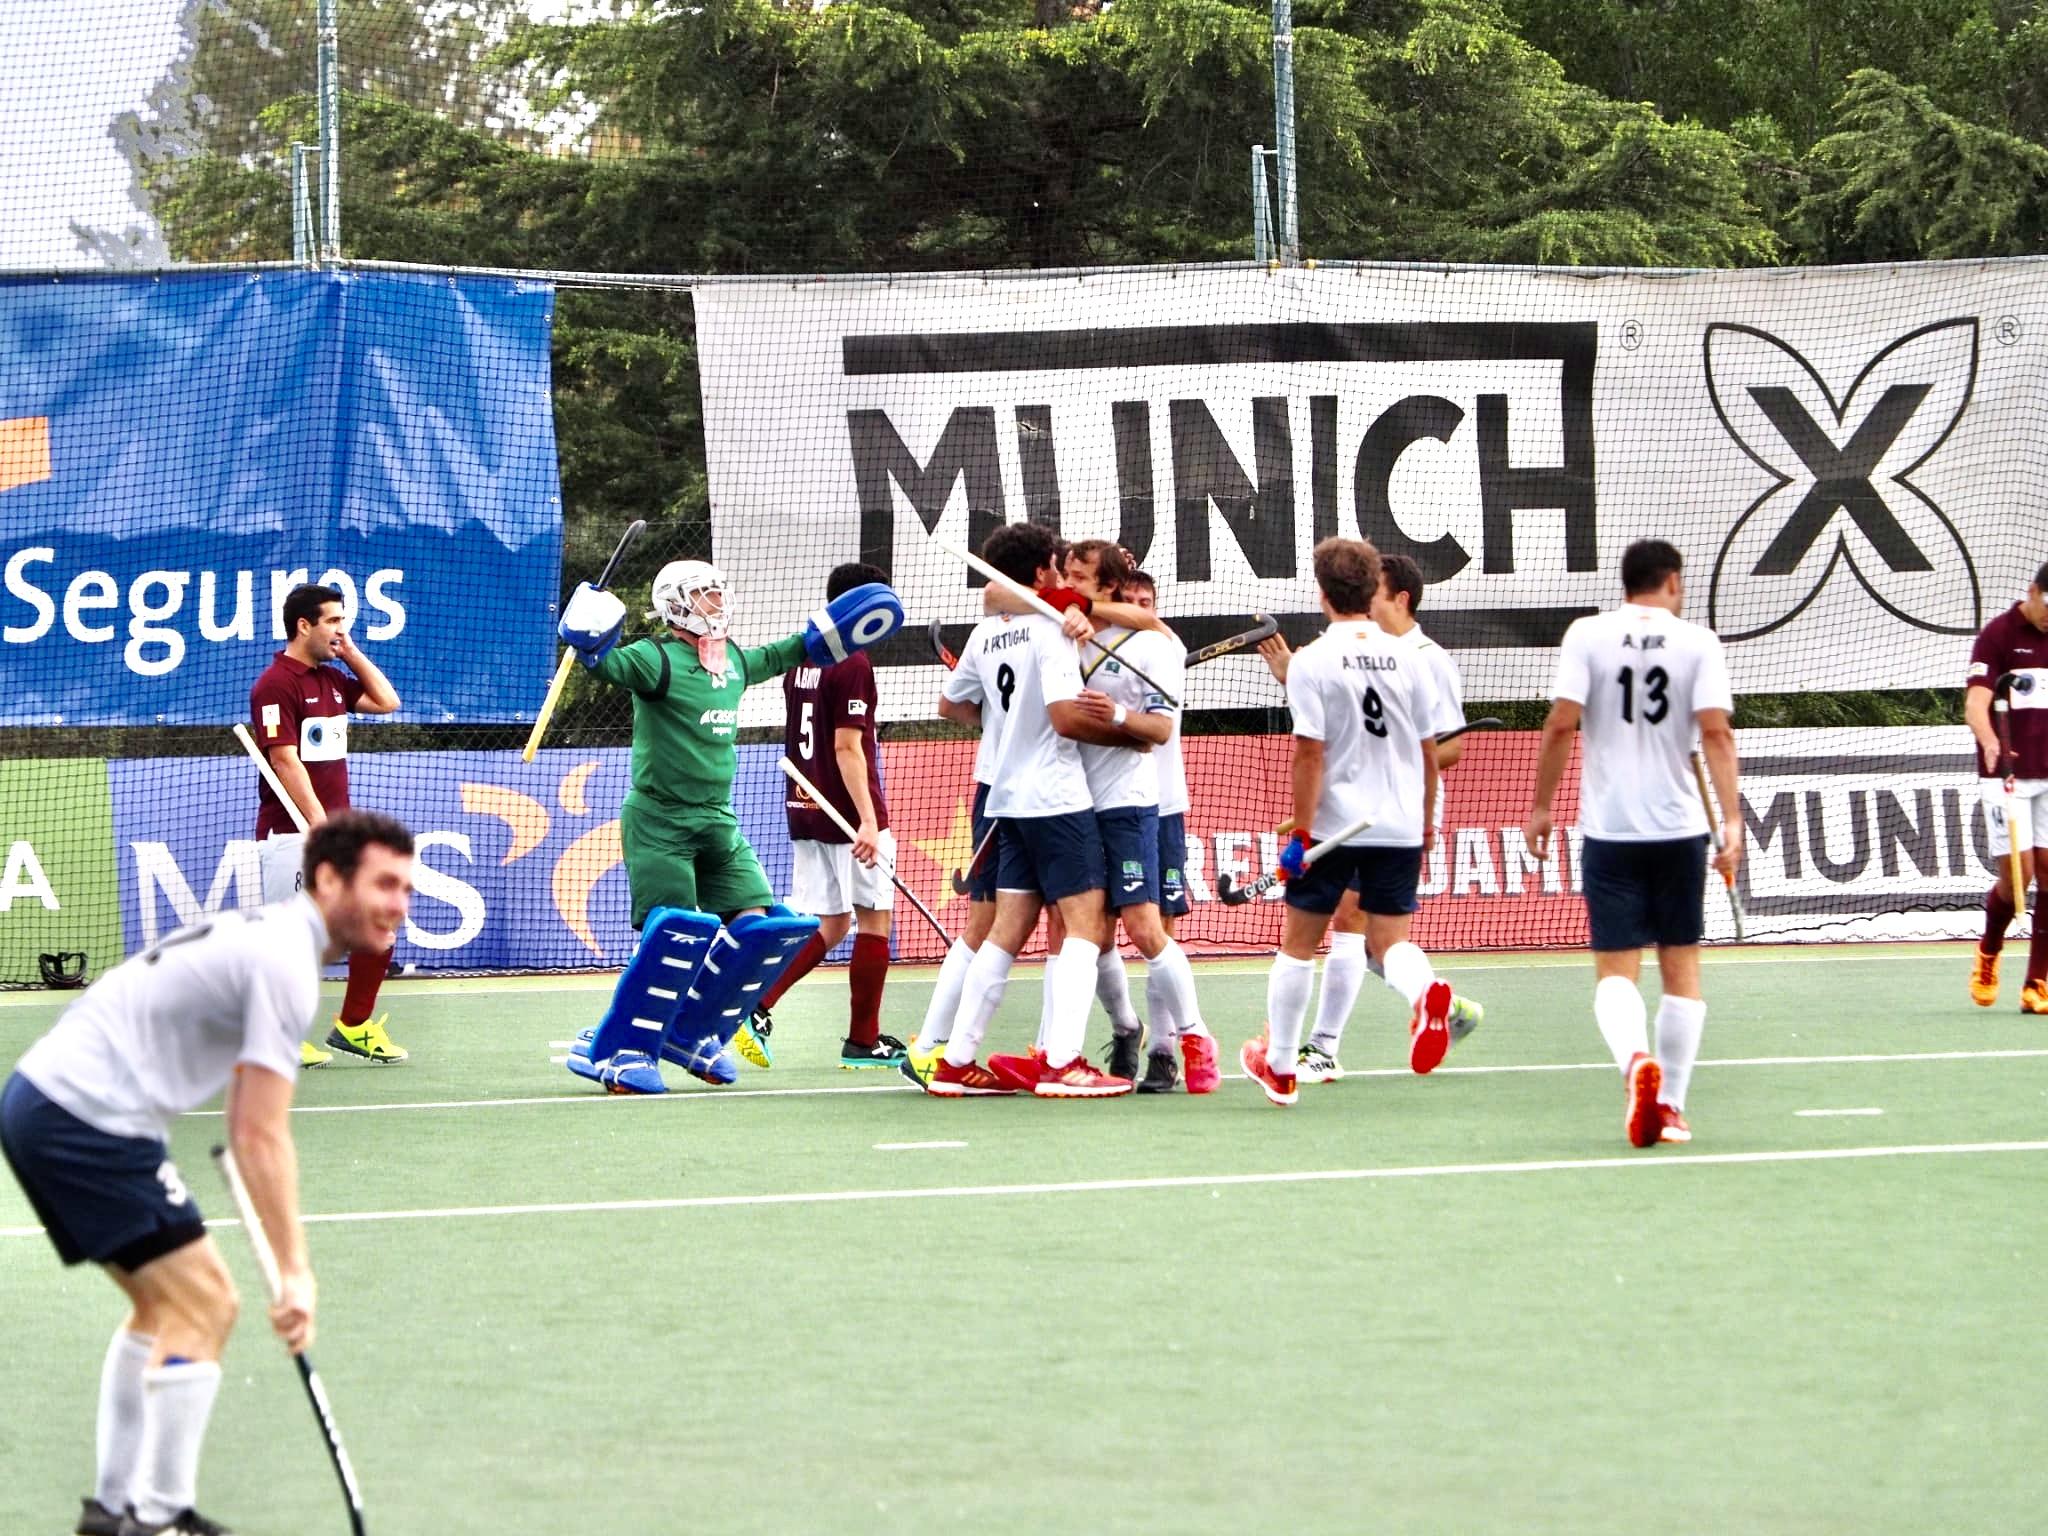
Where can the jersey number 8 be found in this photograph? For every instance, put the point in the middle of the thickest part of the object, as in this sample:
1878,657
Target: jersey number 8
1655,705
1006,684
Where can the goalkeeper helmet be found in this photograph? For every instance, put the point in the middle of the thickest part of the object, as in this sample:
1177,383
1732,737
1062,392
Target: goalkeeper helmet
679,593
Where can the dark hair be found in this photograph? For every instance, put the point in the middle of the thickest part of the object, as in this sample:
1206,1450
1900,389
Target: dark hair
305,602
1647,564
1020,550
1142,581
2041,578
1114,566
342,837
1402,574
855,573
1348,571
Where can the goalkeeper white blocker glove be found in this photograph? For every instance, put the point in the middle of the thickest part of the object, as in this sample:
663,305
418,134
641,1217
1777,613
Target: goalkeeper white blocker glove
592,622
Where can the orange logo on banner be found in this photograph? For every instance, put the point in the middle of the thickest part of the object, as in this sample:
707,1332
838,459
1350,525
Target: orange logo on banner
24,451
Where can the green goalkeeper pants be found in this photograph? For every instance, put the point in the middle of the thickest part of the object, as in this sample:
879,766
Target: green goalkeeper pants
695,858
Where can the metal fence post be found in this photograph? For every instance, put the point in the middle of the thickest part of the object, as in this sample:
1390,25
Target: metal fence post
1283,124
328,22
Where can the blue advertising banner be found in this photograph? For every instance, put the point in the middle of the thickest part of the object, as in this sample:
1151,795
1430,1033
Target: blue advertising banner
177,451
519,863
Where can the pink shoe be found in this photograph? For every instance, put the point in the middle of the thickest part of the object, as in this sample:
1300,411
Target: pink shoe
1429,1028
1252,1057
1198,1063
1643,1121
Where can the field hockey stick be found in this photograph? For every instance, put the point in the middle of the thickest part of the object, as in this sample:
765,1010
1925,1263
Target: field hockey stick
266,1260
961,877
269,775
1483,723
940,649
1699,776
2001,723
1232,894
1041,606
1265,627
547,706
796,777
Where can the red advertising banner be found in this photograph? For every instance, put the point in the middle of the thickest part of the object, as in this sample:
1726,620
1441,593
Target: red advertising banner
1480,889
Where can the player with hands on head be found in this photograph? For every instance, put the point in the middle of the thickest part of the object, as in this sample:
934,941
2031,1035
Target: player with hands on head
85,1122
1363,749
1640,683
2010,658
298,709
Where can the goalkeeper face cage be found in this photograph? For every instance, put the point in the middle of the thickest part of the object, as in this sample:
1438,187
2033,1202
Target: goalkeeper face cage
690,595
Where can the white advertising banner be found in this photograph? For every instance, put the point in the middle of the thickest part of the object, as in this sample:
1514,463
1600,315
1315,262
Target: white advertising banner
1850,460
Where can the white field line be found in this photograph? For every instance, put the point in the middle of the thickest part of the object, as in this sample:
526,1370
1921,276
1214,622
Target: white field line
918,1146
1823,1114
707,1096
1637,1163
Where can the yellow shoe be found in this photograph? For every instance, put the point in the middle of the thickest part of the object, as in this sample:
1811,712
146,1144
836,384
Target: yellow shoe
366,1040
751,1039
1984,980
310,1055
2034,997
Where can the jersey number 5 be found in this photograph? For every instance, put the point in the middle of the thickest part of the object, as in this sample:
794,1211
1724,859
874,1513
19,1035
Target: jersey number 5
806,745
1655,705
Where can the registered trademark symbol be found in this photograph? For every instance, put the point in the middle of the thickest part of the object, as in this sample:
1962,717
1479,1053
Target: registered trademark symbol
2007,330
1631,335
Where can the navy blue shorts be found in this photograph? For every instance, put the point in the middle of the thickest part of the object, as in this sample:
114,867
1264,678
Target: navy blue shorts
1638,894
981,878
1385,879
1056,856
1130,855
113,1199
1173,859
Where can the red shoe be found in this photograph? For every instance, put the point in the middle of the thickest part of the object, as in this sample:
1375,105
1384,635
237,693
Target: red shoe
972,1081
1018,1073
1252,1057
1644,1119
1078,1079
1198,1063
1429,1028
1673,1124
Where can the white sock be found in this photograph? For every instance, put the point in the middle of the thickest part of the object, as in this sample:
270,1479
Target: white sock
1046,999
1288,987
1679,1023
1113,990
1624,1022
945,1003
1170,992
1343,975
177,1400
1406,969
981,994
119,1434
1074,990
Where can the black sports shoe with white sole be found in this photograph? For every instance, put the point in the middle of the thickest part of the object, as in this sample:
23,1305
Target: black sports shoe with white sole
1162,1074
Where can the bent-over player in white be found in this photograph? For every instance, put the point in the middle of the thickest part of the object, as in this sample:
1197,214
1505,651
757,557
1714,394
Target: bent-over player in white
85,1123
1643,684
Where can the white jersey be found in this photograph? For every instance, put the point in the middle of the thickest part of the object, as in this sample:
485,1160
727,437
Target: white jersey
1123,776
1443,678
1018,664
162,1032
1642,675
1168,761
963,686
1368,699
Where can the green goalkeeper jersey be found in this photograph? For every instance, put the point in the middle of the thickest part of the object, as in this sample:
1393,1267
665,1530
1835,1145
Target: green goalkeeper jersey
686,724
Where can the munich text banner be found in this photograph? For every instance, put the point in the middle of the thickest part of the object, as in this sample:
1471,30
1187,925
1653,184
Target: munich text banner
178,451
1850,460
1875,834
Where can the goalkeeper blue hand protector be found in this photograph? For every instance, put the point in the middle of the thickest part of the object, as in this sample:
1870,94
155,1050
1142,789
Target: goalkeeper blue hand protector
852,621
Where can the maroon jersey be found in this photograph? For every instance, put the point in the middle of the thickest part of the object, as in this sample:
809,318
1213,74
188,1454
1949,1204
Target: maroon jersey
822,701
2010,644
294,705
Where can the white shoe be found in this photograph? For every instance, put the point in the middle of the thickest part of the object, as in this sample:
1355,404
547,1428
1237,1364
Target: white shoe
1318,1065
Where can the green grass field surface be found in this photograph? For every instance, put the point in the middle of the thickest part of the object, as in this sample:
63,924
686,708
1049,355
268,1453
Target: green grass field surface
1453,1304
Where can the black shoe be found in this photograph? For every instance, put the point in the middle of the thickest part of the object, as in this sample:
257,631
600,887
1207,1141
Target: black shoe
186,1523
95,1519
1123,1054
887,1051
1162,1074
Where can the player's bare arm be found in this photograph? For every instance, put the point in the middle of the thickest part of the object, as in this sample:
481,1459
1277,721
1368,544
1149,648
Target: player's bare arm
258,1120
1276,654
1307,775
1559,726
1717,746
853,773
1138,730
1977,715
291,773
1430,787
1448,753
960,712
1073,721
379,697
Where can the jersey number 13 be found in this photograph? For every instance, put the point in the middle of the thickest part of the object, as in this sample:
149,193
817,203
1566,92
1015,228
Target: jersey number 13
1655,705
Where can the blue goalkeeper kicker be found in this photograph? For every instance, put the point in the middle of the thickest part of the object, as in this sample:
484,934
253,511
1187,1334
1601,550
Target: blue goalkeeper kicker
744,961
673,944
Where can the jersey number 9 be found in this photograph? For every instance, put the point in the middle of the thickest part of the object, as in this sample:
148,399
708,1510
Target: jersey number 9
1375,713
1655,705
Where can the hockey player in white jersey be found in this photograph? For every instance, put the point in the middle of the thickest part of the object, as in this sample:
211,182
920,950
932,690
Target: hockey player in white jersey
85,1124
1363,750
1643,684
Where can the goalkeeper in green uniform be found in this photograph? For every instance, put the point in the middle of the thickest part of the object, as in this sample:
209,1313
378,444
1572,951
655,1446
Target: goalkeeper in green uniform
682,841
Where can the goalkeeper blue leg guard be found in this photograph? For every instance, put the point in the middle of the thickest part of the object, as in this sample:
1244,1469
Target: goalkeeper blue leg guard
743,963
620,1052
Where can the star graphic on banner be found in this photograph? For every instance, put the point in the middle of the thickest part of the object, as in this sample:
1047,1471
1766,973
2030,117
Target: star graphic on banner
950,852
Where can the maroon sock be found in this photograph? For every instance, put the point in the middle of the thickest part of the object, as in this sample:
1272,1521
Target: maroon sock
366,972
1998,914
806,958
870,971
